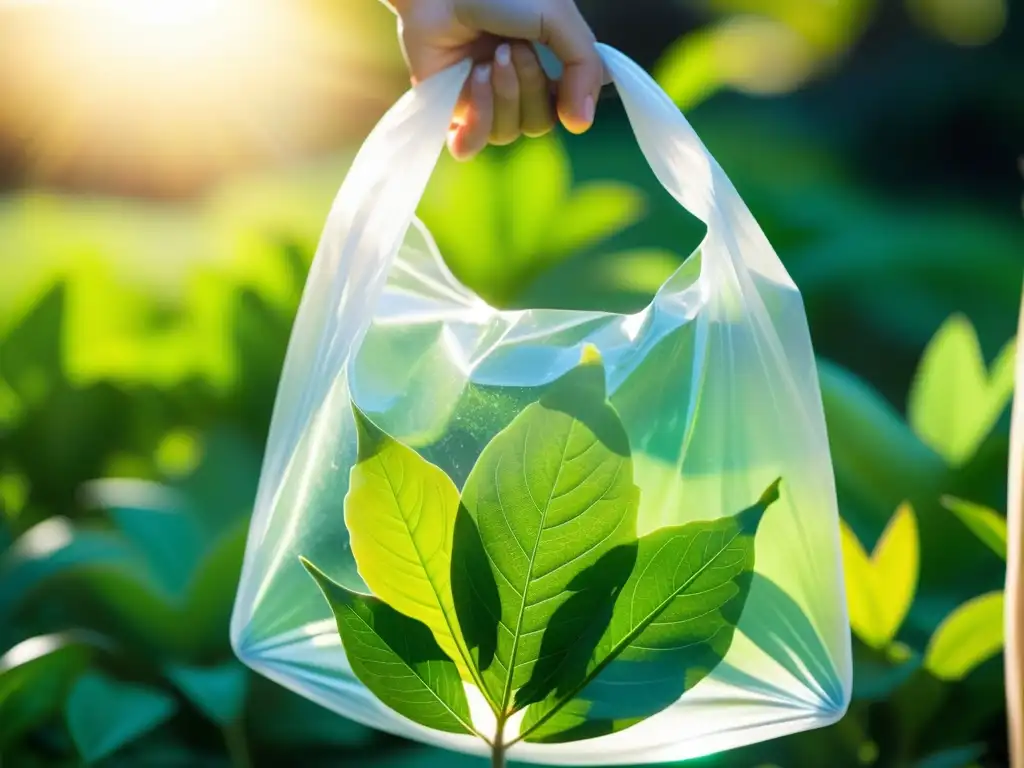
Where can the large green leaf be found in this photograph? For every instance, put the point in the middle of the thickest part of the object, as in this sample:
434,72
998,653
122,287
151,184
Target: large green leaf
549,496
595,211
35,676
400,511
873,450
104,714
880,587
111,585
218,692
155,520
397,658
955,400
520,214
672,623
987,524
970,635
537,185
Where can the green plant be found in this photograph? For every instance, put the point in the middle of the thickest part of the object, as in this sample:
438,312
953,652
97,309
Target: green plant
532,585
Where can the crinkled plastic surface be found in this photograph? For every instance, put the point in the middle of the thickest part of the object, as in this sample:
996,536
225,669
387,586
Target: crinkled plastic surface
715,382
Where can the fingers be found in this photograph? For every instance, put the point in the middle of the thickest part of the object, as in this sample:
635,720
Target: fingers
502,101
559,25
471,134
566,33
505,80
535,112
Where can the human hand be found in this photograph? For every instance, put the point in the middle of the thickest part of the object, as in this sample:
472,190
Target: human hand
508,93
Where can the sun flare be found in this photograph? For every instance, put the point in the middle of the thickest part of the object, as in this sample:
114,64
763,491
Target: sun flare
157,95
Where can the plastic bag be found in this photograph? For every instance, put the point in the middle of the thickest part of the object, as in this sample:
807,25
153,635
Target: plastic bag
715,382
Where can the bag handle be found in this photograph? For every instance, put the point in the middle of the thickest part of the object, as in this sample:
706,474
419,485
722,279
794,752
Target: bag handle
412,133
377,202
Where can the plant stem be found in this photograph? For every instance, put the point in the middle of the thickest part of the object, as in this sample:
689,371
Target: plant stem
498,747
237,746
1014,607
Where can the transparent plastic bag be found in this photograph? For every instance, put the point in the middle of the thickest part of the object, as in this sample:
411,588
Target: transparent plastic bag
715,382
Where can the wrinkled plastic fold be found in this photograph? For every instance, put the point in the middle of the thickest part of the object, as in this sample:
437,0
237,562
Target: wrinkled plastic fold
714,381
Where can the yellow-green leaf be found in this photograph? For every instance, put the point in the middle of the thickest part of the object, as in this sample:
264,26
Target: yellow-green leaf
688,69
970,635
987,524
955,400
400,512
880,587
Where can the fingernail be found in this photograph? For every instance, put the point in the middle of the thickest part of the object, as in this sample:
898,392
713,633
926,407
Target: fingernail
503,55
588,109
483,73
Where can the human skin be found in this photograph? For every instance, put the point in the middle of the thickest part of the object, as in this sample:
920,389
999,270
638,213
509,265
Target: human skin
508,94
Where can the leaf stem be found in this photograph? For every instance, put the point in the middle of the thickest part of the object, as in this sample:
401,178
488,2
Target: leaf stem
498,746
236,743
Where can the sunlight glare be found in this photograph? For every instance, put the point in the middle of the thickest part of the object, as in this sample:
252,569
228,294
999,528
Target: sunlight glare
154,96
162,13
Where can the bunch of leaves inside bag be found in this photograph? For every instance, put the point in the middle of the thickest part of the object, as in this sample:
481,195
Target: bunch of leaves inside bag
531,586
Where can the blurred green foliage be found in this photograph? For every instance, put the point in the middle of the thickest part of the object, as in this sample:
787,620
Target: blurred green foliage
141,343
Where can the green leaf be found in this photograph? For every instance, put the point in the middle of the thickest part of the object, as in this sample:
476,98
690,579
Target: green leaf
879,673
35,676
104,715
53,548
672,623
956,757
218,692
594,212
400,511
987,524
519,215
537,188
970,635
873,450
471,241
211,591
689,70
155,521
549,496
397,659
880,587
955,400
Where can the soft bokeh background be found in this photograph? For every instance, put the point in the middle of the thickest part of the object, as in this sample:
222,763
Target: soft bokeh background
165,168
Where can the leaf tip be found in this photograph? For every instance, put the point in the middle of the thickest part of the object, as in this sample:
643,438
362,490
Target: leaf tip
333,592
750,518
310,568
590,355
771,494
321,578
369,436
